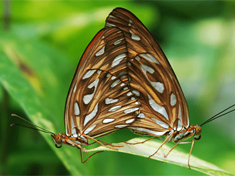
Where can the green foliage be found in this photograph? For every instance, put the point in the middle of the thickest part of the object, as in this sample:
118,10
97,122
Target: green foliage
175,157
39,55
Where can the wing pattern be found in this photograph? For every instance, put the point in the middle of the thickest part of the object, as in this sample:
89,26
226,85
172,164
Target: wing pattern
152,80
124,80
99,99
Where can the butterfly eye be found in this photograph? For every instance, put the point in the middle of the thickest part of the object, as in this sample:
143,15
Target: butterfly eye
197,137
58,146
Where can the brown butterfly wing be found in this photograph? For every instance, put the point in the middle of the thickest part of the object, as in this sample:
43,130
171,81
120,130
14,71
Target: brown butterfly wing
99,100
152,79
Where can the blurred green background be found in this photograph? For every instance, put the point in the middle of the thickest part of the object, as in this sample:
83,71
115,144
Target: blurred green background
40,46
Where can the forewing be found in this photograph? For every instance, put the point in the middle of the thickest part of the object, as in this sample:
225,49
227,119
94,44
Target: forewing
99,99
152,79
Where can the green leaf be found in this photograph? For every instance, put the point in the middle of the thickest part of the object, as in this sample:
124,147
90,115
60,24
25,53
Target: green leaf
175,157
28,71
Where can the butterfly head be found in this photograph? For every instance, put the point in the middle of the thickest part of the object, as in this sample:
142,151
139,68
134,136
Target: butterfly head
197,132
57,138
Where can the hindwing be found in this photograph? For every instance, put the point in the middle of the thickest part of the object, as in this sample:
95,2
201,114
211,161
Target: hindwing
152,80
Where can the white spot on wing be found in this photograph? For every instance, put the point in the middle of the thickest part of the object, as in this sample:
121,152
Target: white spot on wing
110,25
114,108
118,41
125,88
150,58
130,120
88,74
157,133
141,115
100,52
123,84
88,130
74,89
134,36
123,76
94,83
113,77
137,58
108,120
120,126
76,109
110,100
180,125
115,83
158,86
87,98
118,59
173,99
147,68
162,124
131,110
74,134
136,92
129,94
157,108
91,115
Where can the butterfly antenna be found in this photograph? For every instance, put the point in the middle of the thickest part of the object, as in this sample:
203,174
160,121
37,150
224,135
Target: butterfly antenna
14,124
38,127
220,114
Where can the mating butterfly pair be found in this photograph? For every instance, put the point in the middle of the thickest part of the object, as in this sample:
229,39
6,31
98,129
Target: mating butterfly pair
124,80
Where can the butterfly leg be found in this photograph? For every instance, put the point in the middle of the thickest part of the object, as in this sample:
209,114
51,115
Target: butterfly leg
93,143
161,138
106,143
89,137
192,141
83,149
88,156
71,143
189,152
171,150
162,144
110,144
140,142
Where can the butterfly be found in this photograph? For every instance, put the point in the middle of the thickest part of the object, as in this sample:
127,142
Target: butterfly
99,99
124,80
163,108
